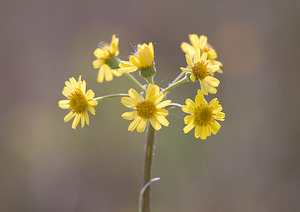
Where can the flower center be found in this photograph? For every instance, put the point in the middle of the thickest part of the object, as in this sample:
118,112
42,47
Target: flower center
203,115
78,102
146,109
200,70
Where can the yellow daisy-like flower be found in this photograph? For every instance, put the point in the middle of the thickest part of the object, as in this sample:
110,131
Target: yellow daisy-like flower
79,101
144,110
200,69
143,59
107,61
202,44
203,116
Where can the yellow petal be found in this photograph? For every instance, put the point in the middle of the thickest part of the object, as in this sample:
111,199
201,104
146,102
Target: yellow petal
100,75
86,117
134,95
76,121
199,98
204,57
91,109
188,127
202,41
197,56
194,40
157,99
129,115
96,64
198,131
107,72
186,70
187,48
152,91
220,116
163,104
142,125
82,120
189,60
203,133
212,81
116,72
134,123
69,116
129,102
98,53
162,112
64,104
215,126
134,61
193,78
155,124
188,119
162,120
89,94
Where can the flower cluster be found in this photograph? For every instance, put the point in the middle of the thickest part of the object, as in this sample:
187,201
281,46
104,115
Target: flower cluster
152,109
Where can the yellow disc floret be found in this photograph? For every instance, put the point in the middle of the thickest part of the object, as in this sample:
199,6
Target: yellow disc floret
203,115
78,102
200,70
146,109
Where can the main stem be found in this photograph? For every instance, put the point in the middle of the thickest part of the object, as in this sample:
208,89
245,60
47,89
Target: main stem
149,151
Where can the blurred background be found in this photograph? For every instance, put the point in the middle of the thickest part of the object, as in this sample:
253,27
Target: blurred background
252,164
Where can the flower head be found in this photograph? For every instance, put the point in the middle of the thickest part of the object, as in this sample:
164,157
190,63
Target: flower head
107,61
143,59
146,109
202,44
79,101
203,116
201,69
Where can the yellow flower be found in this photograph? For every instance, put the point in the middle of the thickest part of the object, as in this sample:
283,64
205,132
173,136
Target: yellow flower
200,69
107,61
144,110
78,102
143,59
202,44
203,116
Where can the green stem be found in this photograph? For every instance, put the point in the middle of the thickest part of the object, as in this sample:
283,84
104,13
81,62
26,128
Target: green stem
171,86
149,151
133,79
110,96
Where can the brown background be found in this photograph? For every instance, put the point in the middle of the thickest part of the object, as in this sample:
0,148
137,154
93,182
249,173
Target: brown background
251,165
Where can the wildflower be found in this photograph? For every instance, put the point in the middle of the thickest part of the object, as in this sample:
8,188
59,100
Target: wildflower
143,60
78,102
144,110
203,116
200,69
107,61
202,44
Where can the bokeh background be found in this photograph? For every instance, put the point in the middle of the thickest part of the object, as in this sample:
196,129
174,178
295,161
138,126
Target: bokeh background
252,164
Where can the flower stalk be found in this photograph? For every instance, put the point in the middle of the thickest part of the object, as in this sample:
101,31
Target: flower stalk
173,85
110,96
148,154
